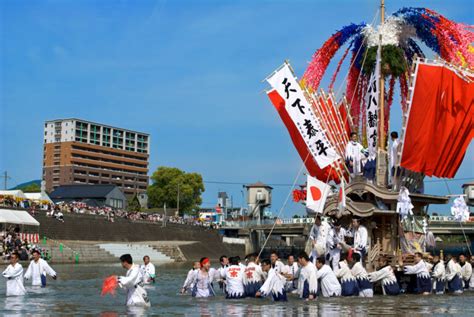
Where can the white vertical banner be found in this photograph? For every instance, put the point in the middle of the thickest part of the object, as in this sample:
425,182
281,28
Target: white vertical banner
316,194
372,111
302,115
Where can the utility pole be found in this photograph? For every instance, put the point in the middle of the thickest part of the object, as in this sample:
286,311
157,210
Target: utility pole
5,179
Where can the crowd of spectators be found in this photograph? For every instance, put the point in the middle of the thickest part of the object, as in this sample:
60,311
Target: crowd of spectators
10,241
59,209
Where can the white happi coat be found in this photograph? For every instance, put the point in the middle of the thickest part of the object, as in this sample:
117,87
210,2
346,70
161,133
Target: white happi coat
279,266
253,273
344,272
420,269
452,270
148,272
36,269
385,275
328,282
308,274
360,273
274,284
189,279
439,273
466,273
319,234
14,276
136,295
234,277
354,154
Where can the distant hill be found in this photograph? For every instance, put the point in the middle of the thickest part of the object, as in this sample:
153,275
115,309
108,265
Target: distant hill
36,182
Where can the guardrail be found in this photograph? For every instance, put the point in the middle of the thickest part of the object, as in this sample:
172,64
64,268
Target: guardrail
279,221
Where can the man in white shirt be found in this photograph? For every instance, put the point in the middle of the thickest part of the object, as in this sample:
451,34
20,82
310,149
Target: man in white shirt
187,286
360,235
234,277
318,237
148,270
393,156
354,155
466,270
327,279
335,242
292,272
14,275
308,281
132,282
276,263
38,269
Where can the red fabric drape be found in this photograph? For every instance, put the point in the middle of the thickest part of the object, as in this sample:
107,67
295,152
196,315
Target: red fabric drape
441,122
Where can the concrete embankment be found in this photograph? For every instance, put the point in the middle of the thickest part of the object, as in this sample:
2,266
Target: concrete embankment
88,239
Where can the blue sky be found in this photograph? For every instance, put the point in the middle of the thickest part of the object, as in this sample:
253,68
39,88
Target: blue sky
187,72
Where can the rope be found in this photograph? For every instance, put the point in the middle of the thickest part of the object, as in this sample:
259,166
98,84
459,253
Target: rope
460,223
284,204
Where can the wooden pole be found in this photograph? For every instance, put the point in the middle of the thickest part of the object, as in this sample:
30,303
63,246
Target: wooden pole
382,85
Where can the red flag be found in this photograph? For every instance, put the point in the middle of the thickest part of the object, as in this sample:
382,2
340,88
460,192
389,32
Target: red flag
313,168
110,285
441,122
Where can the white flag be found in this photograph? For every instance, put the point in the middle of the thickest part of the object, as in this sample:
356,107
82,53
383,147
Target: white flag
316,194
459,210
372,111
302,116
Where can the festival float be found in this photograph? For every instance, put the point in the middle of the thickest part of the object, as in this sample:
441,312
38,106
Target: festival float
436,98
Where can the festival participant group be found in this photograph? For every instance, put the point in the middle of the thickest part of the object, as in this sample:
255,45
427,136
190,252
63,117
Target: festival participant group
333,268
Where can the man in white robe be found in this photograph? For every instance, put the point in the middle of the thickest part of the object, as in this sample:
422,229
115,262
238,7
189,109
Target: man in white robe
14,275
454,276
132,282
253,276
439,275
385,274
308,281
187,286
38,269
393,156
148,270
423,279
335,242
274,285
318,237
276,263
327,280
234,277
466,270
354,155
360,235
366,288
292,273
203,279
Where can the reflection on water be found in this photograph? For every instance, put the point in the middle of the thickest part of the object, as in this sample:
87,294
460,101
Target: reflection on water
77,292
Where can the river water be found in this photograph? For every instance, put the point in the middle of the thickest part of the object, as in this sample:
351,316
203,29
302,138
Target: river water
77,292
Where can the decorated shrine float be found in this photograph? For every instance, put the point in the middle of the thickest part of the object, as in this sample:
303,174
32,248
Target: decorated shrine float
436,101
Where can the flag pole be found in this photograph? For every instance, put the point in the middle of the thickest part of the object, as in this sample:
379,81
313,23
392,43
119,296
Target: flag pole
381,165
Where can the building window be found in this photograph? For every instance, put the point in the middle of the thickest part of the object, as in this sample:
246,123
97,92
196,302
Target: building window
116,203
117,140
94,134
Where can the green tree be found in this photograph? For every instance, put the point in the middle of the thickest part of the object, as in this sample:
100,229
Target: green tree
166,183
134,204
30,188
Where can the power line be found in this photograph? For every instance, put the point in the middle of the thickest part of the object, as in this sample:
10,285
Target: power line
289,185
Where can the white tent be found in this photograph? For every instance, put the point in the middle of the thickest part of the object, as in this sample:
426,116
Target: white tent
42,196
15,193
18,217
